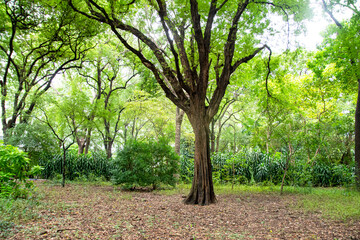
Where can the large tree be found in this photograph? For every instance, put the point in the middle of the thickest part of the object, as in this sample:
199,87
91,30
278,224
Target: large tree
188,46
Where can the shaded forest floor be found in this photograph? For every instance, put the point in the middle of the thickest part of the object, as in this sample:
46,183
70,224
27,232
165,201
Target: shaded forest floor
103,212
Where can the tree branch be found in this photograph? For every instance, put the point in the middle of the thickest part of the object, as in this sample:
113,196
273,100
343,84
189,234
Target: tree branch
247,58
326,9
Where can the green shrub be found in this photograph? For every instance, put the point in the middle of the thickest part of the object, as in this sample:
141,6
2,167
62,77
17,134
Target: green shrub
145,164
14,173
341,175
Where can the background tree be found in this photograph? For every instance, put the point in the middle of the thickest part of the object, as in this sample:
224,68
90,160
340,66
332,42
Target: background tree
60,120
346,44
37,42
108,75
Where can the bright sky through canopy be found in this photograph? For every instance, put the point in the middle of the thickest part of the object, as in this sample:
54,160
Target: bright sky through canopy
318,24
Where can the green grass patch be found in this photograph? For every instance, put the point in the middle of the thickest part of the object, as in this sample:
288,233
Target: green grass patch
13,212
225,189
332,203
181,188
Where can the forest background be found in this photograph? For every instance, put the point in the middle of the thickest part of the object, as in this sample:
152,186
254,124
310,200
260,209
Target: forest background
76,98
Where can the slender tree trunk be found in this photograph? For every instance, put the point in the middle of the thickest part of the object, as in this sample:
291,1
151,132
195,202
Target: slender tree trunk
125,132
283,179
108,141
218,136
133,129
202,190
87,141
346,157
267,140
357,140
179,119
288,159
63,165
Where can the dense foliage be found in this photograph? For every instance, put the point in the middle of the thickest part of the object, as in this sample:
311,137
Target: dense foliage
256,167
148,163
14,172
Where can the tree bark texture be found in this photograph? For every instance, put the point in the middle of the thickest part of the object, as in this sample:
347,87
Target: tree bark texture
81,141
178,123
87,142
202,190
108,149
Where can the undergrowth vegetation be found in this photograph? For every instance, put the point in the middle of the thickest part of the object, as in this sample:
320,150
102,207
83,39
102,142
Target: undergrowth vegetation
256,167
144,163
16,211
86,167
14,172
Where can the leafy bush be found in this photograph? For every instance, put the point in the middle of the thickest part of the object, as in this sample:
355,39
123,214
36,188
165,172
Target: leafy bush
13,172
342,175
144,164
322,174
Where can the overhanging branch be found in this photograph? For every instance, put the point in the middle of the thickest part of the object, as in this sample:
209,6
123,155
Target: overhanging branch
247,58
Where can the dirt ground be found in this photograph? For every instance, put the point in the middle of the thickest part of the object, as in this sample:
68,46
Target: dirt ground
102,212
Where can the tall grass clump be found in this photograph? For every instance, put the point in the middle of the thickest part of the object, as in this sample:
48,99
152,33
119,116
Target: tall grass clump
77,166
251,166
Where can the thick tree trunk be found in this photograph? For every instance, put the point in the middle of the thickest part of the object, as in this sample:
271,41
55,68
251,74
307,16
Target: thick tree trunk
81,141
357,140
108,147
202,190
109,150
179,119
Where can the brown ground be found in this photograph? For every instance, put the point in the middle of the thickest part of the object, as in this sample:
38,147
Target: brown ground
94,212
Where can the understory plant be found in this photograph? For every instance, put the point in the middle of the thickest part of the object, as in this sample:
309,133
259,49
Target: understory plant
149,163
255,167
94,165
14,172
